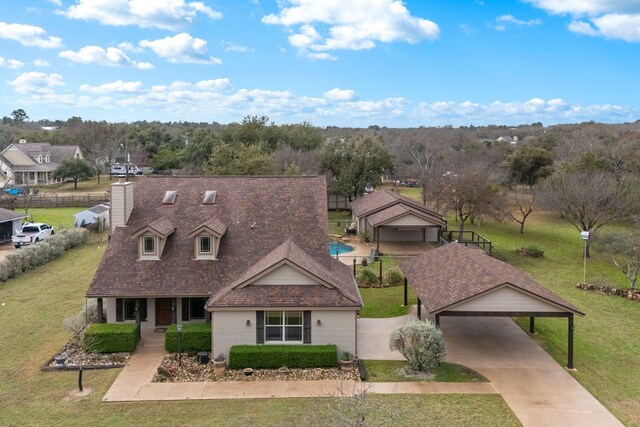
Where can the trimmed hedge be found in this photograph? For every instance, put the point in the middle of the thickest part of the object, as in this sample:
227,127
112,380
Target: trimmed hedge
277,356
112,337
195,337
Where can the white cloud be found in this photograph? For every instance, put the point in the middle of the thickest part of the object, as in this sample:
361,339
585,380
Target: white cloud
163,14
213,85
55,2
323,56
110,57
36,83
118,86
233,47
612,19
181,48
29,35
324,25
130,47
502,20
40,63
337,94
14,64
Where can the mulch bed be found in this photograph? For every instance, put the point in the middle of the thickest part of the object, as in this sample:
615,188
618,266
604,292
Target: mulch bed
192,371
632,294
74,354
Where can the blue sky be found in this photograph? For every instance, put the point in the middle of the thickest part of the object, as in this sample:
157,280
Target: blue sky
331,62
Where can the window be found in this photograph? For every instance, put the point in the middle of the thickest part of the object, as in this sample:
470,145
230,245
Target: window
126,309
209,197
205,245
283,326
169,197
149,245
193,308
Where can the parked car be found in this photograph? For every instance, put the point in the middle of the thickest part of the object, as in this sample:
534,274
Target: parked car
118,169
368,188
15,190
32,232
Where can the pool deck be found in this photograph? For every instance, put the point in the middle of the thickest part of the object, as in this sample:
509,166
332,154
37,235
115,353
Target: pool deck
400,249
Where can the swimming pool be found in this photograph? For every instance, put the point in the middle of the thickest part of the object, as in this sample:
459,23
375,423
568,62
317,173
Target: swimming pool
339,248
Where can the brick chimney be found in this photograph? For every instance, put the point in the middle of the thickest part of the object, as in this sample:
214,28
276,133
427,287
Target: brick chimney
121,203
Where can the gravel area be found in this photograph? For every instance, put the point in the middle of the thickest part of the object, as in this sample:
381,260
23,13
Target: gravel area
191,371
72,354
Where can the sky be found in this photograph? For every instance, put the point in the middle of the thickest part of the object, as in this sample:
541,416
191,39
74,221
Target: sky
344,63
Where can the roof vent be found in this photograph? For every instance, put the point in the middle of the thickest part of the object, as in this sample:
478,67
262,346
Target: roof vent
169,197
209,197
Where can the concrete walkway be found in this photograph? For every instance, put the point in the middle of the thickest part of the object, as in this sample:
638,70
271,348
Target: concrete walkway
373,337
134,383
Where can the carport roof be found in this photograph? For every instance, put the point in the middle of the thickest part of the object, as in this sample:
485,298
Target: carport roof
454,273
399,210
9,215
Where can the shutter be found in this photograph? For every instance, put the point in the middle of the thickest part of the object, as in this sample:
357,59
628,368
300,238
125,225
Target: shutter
143,309
185,309
306,323
259,327
119,310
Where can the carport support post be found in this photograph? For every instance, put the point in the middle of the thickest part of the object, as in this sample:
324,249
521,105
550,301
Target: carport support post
532,325
419,309
438,320
354,266
570,356
406,298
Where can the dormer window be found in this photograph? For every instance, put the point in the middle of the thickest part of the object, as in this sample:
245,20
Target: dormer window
149,245
152,238
47,159
206,239
206,246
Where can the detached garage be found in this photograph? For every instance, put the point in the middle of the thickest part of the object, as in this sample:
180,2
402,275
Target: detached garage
455,280
10,221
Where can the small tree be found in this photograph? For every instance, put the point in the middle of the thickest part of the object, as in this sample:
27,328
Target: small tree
521,204
421,343
624,250
75,169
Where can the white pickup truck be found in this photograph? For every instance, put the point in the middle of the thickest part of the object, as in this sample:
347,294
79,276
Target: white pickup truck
32,232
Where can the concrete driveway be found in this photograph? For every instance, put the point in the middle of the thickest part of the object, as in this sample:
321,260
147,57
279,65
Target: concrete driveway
538,390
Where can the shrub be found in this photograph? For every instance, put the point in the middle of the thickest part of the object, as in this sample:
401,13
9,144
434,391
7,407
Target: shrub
367,278
534,251
195,337
31,256
393,277
276,356
112,337
421,343
364,262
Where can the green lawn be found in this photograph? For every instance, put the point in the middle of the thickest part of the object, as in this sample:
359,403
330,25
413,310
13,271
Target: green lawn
32,308
393,371
386,302
89,185
607,339
59,218
338,220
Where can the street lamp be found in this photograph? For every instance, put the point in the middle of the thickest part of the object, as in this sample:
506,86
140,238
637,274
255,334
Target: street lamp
180,344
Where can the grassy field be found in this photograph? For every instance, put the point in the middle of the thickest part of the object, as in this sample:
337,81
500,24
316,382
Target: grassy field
32,308
338,220
87,186
386,302
607,339
59,218
393,371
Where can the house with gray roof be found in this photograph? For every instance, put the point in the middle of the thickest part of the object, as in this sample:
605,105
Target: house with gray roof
33,163
248,254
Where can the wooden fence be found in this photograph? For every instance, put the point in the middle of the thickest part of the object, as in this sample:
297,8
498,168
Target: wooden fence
338,202
53,200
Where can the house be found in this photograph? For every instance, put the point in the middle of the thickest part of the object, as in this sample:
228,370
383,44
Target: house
10,221
33,163
248,254
97,214
385,216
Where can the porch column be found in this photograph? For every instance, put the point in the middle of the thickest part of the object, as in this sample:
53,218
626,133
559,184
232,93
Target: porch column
406,298
376,232
100,311
532,325
174,313
138,315
419,309
438,320
570,339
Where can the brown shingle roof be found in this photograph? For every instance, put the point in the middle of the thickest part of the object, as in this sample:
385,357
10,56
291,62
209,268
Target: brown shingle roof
162,226
340,280
260,213
453,273
283,296
383,199
401,209
212,224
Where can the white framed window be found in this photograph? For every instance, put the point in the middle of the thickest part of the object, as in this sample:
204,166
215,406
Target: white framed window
205,245
148,245
283,326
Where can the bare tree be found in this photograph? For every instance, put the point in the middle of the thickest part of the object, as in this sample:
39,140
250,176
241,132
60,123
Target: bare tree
588,200
624,250
521,201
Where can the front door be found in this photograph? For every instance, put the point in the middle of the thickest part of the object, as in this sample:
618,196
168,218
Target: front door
164,311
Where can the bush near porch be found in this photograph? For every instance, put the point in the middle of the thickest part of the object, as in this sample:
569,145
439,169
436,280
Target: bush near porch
113,337
277,356
195,337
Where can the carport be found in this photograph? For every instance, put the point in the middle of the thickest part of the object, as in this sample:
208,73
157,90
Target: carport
455,280
401,223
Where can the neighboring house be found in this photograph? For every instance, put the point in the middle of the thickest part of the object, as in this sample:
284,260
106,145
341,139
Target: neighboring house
10,221
508,139
98,213
388,217
33,163
249,254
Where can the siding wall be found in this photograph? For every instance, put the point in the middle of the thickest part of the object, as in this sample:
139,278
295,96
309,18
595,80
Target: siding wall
229,328
110,309
285,275
409,220
121,204
506,299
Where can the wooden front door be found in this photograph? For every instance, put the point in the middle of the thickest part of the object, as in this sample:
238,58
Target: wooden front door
164,311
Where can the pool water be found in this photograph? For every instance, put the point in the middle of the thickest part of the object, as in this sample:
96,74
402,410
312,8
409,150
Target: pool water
339,248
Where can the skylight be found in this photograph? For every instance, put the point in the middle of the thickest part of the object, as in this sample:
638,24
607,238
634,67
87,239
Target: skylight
209,197
169,197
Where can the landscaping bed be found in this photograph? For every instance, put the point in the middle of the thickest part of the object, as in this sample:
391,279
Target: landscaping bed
73,354
632,294
192,371
399,371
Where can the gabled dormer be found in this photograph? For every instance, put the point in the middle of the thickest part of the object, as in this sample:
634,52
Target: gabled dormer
152,238
206,239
